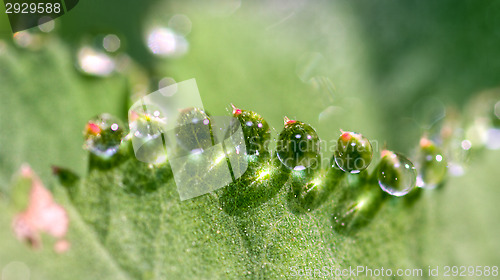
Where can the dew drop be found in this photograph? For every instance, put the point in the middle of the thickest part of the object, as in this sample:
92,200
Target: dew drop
396,174
432,166
94,62
165,42
354,152
103,135
298,146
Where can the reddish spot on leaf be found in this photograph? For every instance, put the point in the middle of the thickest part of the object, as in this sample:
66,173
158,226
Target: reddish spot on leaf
42,215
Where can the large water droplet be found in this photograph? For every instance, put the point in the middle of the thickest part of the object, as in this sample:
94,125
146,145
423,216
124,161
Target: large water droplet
396,174
96,63
432,165
103,135
354,152
166,42
298,146
146,124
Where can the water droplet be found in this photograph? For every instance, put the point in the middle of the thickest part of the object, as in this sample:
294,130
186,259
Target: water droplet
111,43
193,130
354,152
46,24
432,166
96,63
396,174
255,130
181,24
165,42
298,153
103,135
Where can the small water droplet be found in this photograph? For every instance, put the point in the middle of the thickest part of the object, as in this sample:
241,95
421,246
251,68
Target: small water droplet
146,127
298,153
432,166
166,42
111,43
396,174
96,63
354,152
103,135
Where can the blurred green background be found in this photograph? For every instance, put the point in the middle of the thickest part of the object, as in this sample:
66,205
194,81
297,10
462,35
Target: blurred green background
388,69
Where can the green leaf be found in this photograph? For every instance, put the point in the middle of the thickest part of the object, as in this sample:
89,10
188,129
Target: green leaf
127,222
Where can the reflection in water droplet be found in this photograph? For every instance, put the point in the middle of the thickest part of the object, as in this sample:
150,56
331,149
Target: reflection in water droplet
46,24
181,24
165,42
396,174
95,63
111,43
103,135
